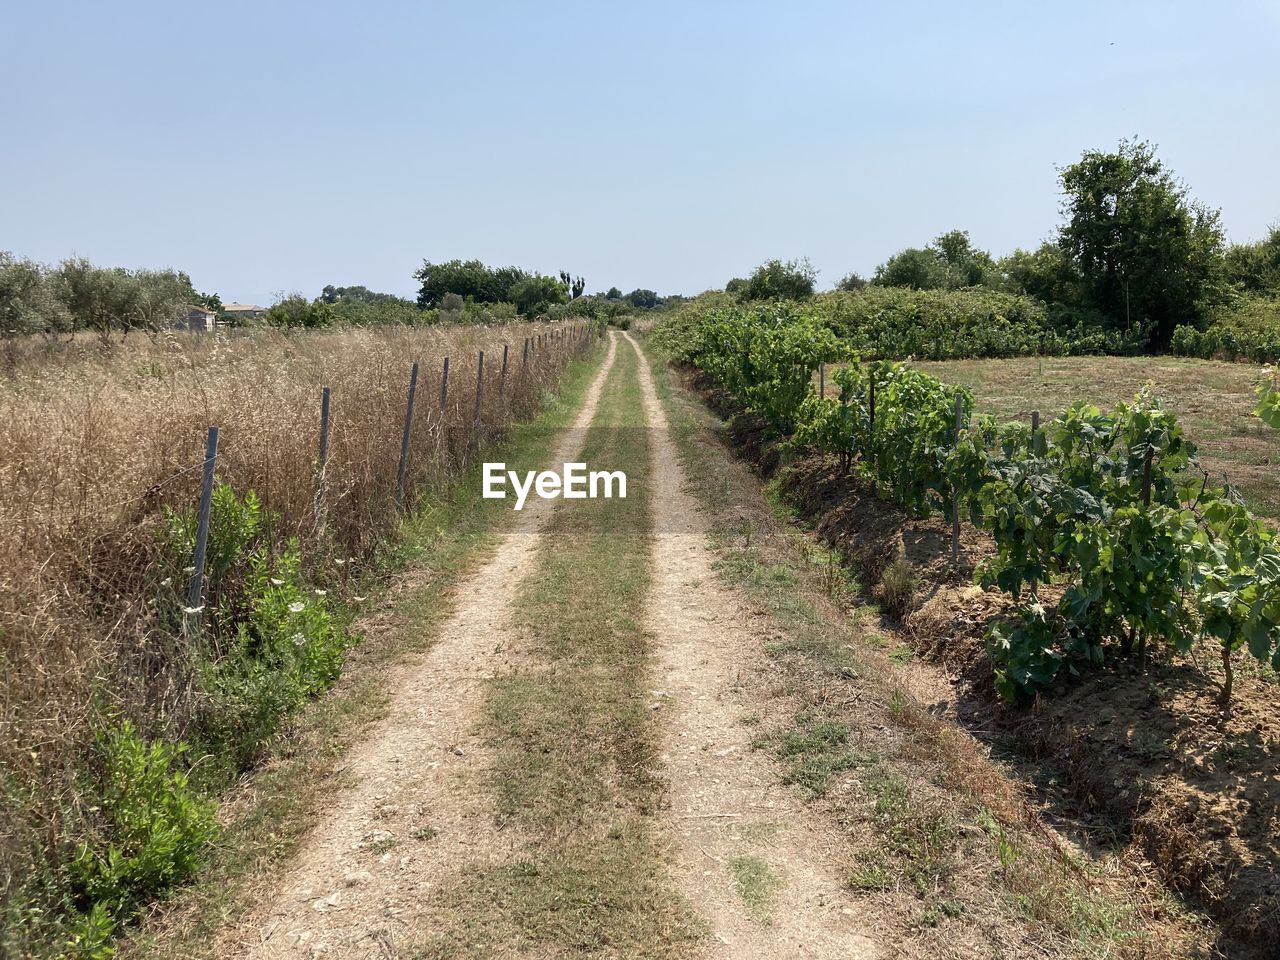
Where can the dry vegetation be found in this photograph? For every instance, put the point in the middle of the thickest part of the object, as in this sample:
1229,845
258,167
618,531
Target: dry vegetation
98,441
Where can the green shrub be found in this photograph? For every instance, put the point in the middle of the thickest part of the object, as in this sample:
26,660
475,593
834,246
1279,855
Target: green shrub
285,650
269,640
155,826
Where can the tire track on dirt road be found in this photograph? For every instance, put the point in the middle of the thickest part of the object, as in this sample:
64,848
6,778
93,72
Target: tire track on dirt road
760,872
414,814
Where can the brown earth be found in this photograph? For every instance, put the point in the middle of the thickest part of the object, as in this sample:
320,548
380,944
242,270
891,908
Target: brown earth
729,816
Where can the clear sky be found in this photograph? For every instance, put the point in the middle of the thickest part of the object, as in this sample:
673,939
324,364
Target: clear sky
275,146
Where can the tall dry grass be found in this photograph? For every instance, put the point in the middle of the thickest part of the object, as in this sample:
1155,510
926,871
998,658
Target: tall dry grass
97,440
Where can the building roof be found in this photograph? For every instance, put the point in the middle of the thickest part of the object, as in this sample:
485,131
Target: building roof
242,308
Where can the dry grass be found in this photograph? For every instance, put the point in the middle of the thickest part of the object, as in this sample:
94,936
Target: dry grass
96,441
1214,401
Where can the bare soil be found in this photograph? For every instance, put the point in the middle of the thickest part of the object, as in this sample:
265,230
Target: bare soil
763,871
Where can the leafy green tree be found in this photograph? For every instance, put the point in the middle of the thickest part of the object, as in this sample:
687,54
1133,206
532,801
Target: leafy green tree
643,299
851,282
1043,273
533,295
357,294
114,299
776,280
917,268
950,262
613,294
736,286
296,312
1143,251
469,279
1255,267
28,303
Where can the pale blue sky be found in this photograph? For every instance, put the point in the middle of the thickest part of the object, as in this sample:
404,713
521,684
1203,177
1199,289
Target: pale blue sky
279,146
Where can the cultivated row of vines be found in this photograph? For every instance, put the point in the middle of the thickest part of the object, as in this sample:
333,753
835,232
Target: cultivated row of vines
1108,535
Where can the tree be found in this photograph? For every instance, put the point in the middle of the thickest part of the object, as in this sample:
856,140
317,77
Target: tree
114,299
469,279
851,281
296,312
776,280
1043,273
575,287
950,262
534,294
27,300
357,294
643,299
1142,250
613,294
1255,267
915,267
736,286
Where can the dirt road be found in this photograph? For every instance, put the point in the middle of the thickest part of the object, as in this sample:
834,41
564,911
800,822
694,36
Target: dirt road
762,879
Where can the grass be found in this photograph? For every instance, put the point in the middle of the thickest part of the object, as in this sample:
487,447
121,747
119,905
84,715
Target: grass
99,443
1214,401
265,820
756,884
906,788
575,772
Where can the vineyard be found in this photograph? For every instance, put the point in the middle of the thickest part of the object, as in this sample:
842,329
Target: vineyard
1108,515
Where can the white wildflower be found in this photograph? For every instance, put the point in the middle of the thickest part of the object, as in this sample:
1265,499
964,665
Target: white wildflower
359,599
322,593
166,581
298,639
340,562
297,606
277,582
193,610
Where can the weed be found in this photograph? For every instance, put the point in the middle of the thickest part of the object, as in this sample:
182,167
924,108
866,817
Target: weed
154,828
897,588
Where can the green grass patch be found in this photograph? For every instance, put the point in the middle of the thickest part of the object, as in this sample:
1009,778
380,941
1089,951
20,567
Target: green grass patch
756,884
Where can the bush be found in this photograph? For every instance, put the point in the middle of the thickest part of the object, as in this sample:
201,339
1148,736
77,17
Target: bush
155,826
895,323
270,642
776,280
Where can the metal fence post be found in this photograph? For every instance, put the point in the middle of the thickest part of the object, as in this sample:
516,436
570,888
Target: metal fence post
525,361
822,381
408,431
955,493
324,459
479,388
195,596
502,379
444,384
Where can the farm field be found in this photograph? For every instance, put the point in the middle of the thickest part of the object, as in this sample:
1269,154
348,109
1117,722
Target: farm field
1213,399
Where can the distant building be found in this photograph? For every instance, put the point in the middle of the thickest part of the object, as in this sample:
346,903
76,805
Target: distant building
239,312
197,319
